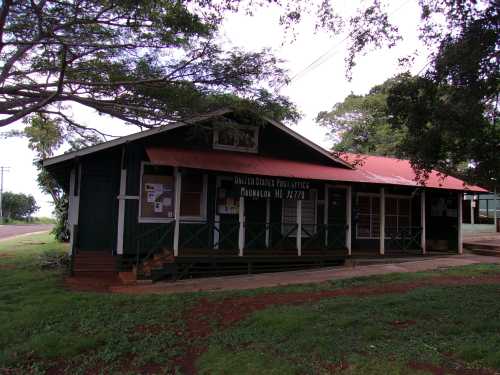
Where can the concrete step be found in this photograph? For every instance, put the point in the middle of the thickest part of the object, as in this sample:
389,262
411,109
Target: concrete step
495,253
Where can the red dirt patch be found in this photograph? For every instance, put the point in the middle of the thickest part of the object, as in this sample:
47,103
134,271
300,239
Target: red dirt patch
402,324
209,315
91,284
440,370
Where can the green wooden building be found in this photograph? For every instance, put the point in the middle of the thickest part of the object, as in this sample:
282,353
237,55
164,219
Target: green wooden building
230,192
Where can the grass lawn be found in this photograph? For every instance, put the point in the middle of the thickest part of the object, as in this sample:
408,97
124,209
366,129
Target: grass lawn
434,329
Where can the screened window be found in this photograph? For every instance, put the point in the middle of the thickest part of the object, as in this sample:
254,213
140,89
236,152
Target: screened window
237,138
397,215
193,196
309,208
368,225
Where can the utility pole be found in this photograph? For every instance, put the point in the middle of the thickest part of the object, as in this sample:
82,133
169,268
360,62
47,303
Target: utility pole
2,170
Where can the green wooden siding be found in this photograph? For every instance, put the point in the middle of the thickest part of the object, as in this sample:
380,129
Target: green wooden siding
98,204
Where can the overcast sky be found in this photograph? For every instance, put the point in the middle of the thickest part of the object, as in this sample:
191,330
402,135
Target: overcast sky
313,91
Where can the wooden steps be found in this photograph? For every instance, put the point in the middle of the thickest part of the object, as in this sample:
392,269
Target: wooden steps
94,264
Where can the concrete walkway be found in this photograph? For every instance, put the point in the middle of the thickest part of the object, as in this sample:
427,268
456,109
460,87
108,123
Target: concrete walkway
302,277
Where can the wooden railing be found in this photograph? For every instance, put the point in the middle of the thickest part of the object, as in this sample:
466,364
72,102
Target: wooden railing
324,236
151,241
209,235
224,236
403,238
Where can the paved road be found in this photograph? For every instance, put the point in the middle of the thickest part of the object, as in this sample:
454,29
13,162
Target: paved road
7,231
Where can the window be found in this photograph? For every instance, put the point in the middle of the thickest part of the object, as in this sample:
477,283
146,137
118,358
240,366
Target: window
308,214
368,225
193,191
157,194
237,138
397,215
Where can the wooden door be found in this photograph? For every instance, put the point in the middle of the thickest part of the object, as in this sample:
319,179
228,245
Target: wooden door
336,223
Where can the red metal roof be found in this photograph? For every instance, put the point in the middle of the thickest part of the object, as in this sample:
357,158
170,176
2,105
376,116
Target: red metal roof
372,169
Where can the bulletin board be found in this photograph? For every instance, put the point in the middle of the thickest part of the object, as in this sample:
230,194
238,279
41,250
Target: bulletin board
157,196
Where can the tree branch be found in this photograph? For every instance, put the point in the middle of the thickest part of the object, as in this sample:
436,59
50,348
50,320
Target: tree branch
4,11
44,102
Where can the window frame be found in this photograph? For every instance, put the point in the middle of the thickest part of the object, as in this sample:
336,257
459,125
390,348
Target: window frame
398,197
145,219
203,202
217,146
371,195
194,219
315,224
398,215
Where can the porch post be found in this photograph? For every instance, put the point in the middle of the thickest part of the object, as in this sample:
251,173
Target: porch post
299,228
422,222
495,205
268,220
72,206
177,209
121,210
241,219
472,202
382,221
348,242
460,236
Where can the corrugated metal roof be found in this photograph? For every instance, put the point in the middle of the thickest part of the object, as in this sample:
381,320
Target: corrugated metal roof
393,170
375,170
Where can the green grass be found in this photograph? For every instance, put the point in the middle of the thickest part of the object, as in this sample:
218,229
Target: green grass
43,325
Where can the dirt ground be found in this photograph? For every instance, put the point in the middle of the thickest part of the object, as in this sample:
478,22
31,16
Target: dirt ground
227,312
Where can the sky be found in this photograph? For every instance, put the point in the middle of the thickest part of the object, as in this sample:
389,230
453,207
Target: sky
316,90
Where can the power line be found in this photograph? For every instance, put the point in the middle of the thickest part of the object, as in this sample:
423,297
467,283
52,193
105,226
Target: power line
324,57
2,171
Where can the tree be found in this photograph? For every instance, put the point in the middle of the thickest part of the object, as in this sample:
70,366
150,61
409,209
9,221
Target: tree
146,62
451,112
45,136
360,124
18,206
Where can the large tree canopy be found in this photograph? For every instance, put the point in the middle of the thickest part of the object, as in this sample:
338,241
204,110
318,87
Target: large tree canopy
445,119
145,62
360,124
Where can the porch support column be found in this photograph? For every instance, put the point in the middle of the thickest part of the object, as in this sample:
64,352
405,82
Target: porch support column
422,221
73,204
382,221
241,219
460,234
268,220
121,210
177,209
495,205
348,240
472,203
299,228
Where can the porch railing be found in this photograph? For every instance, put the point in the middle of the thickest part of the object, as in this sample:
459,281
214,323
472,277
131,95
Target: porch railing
149,242
324,236
224,236
403,238
208,235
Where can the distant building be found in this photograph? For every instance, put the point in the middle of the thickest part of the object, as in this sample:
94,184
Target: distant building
481,213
